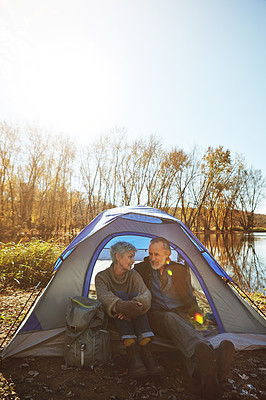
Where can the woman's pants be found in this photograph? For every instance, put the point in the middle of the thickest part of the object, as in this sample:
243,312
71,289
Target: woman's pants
137,328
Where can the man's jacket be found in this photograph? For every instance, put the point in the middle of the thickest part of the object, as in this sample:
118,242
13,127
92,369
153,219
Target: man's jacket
180,283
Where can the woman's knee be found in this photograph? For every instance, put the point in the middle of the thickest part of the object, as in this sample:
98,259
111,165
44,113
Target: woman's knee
126,296
122,295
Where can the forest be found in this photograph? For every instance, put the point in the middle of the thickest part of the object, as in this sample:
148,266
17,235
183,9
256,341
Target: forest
49,185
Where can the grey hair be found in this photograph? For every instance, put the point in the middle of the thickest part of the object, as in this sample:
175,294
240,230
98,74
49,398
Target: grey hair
120,248
166,244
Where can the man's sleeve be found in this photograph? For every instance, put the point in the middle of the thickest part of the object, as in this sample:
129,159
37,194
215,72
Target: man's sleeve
142,269
144,295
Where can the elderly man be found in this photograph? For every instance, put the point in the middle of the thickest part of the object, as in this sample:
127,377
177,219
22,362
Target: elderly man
173,304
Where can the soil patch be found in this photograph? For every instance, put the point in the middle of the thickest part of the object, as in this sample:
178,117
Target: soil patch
48,378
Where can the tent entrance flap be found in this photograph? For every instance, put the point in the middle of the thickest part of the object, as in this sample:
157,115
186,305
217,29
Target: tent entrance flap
141,242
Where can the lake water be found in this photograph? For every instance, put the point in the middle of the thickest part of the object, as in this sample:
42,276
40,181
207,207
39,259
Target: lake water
242,256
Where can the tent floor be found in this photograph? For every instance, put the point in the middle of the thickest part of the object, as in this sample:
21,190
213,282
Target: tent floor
158,343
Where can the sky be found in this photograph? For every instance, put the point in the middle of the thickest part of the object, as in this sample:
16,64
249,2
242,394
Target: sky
191,72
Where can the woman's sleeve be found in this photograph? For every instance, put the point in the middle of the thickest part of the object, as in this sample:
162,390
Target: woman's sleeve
105,295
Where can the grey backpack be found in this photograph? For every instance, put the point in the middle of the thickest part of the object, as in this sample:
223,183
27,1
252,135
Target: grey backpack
87,340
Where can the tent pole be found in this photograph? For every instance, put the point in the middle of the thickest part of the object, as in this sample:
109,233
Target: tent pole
243,295
14,323
38,284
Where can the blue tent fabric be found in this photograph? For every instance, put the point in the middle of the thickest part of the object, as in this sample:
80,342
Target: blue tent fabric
32,324
208,257
106,217
136,213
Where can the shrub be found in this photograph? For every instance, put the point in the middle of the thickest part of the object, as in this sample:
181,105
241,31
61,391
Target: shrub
27,264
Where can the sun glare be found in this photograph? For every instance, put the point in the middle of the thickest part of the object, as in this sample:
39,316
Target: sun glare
66,90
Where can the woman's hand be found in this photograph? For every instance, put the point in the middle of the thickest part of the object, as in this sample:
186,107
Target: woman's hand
128,309
121,316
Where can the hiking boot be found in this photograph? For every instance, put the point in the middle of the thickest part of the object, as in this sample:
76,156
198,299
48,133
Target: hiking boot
224,355
150,363
206,365
136,368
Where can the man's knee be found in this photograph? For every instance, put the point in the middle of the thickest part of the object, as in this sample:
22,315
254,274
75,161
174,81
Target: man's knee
162,323
170,319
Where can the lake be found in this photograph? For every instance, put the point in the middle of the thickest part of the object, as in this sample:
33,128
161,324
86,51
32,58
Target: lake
242,256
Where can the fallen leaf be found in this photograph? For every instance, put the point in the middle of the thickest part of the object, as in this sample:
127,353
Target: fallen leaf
244,377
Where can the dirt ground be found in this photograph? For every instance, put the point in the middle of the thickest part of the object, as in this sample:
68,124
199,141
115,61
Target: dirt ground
49,379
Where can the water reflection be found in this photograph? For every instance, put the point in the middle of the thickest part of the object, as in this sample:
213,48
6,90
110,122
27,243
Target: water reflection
242,256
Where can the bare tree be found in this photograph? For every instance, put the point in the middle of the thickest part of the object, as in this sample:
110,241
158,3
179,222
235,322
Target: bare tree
251,194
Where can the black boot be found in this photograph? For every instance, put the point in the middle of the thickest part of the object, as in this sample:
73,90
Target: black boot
150,363
136,368
224,355
207,367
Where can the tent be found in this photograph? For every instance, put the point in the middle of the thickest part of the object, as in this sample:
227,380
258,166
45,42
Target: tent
42,331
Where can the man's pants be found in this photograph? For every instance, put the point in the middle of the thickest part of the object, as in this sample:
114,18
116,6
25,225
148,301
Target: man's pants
137,328
171,325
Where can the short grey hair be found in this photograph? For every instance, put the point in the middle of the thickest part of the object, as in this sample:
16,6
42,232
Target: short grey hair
120,248
166,244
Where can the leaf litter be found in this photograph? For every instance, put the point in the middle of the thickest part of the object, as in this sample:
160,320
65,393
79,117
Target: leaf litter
39,378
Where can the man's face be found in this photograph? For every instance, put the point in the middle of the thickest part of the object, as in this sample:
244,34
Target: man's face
158,255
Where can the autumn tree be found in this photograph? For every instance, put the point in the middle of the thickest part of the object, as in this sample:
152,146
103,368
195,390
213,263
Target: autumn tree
186,182
30,171
47,186
9,146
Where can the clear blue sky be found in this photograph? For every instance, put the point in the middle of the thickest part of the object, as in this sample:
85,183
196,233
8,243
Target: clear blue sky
192,72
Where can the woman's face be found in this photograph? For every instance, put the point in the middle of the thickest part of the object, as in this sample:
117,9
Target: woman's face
126,260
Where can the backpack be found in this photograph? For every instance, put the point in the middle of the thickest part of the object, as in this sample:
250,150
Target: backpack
87,340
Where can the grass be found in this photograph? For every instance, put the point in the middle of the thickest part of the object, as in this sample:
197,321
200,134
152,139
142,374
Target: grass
24,265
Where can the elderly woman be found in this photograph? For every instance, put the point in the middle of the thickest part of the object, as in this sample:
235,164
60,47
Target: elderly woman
126,300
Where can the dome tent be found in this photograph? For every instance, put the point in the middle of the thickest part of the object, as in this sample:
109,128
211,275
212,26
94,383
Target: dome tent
42,332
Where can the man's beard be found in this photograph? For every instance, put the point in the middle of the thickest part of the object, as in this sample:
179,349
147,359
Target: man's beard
156,267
